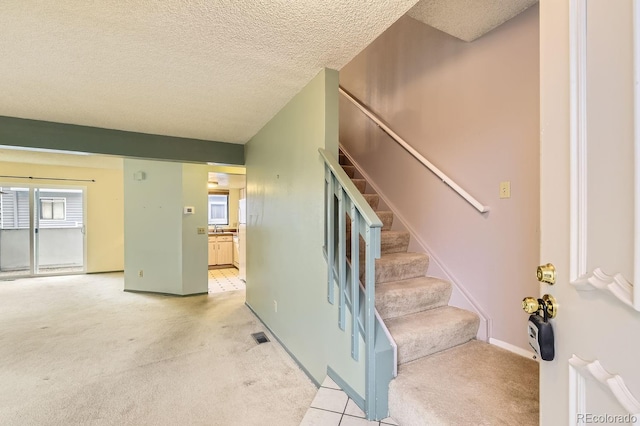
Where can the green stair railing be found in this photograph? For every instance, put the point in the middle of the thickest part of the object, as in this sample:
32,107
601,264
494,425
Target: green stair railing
356,288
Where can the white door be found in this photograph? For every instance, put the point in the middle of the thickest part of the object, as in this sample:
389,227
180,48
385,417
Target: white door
590,210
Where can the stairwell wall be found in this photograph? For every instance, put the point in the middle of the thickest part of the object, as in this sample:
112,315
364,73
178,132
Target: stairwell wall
473,110
285,232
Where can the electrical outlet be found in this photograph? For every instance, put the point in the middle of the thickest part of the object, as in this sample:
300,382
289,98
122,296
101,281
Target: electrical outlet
201,231
275,306
505,189
140,273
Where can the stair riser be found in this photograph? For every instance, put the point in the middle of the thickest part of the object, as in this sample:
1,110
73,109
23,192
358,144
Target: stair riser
390,243
394,242
451,334
349,170
407,299
385,217
344,160
401,270
361,184
372,199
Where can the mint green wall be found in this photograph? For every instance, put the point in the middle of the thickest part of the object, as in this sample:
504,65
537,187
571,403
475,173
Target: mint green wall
285,207
158,238
195,262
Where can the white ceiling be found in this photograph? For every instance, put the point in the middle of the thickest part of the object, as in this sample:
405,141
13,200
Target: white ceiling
228,181
468,19
206,69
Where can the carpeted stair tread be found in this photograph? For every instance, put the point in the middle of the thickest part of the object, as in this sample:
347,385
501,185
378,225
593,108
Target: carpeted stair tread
399,298
471,384
390,242
428,332
401,266
372,199
361,184
349,170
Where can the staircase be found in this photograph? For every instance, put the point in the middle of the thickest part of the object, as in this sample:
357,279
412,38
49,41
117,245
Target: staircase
413,306
436,342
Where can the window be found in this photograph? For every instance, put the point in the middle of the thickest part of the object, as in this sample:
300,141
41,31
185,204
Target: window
53,208
218,209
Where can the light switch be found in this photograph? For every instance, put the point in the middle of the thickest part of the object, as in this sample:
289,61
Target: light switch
505,189
201,231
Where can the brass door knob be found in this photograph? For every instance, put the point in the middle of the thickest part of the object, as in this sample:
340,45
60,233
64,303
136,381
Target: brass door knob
548,304
530,305
546,273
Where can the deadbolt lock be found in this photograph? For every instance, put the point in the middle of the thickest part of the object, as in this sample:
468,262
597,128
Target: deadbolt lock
547,304
546,273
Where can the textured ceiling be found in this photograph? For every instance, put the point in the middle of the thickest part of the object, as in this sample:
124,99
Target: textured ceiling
206,69
228,181
468,19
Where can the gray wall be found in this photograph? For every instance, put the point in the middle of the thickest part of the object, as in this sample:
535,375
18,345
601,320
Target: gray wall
285,231
473,110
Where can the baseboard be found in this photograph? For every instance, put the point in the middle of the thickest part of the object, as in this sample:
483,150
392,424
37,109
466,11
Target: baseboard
515,349
293,357
474,304
351,393
128,290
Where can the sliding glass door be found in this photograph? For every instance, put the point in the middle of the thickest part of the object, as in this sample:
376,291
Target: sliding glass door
58,230
15,236
42,231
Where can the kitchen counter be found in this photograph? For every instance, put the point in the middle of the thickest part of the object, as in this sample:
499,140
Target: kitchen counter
211,233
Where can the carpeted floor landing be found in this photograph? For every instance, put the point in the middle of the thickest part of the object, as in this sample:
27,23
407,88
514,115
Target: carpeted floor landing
78,350
471,384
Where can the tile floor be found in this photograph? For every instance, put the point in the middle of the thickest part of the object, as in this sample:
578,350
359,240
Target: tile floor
221,280
332,407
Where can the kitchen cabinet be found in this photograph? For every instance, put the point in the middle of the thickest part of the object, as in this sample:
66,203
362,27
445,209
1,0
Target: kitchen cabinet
220,249
236,253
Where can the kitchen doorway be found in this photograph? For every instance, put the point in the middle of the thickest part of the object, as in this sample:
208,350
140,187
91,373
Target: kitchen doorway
226,226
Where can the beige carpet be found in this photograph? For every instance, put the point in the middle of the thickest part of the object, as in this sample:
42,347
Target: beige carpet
79,350
471,384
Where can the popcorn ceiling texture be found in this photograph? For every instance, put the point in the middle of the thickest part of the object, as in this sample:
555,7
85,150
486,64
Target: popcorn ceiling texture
216,70
468,19
206,69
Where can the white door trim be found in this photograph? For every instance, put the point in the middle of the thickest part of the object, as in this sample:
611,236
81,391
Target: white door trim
580,277
579,370
578,137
